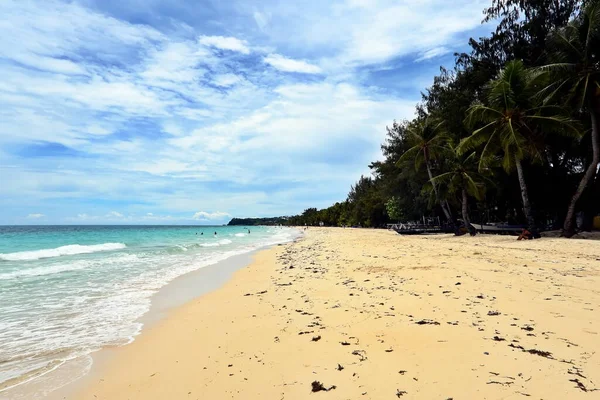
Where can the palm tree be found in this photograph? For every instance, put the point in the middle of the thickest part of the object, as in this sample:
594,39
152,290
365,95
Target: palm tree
428,140
513,121
463,179
576,50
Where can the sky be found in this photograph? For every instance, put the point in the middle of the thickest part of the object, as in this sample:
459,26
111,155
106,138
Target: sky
196,111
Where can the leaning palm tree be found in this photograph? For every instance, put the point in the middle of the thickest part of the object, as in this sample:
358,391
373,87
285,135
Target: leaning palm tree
575,49
428,140
463,179
512,123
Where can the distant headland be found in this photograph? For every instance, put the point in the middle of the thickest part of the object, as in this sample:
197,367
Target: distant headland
259,221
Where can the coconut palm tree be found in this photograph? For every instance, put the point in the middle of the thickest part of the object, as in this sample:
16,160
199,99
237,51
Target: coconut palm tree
463,179
428,140
512,123
575,49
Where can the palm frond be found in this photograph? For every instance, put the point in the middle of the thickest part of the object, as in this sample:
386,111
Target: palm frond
561,125
480,113
489,152
409,154
477,138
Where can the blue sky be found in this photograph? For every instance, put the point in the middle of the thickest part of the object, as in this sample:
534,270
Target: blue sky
188,111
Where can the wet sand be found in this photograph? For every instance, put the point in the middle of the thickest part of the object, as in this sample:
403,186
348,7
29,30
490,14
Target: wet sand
366,314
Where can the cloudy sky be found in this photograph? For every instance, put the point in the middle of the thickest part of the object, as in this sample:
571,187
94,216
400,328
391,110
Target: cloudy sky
192,111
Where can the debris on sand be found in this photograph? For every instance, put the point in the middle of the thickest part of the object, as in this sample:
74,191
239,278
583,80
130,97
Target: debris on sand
540,353
427,322
579,384
527,328
318,387
361,353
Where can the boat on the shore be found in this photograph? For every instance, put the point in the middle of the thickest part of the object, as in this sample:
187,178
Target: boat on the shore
431,225
499,228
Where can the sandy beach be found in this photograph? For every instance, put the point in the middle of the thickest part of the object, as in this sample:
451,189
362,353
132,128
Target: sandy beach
369,314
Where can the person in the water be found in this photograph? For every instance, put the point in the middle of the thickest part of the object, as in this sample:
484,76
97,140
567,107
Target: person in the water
215,233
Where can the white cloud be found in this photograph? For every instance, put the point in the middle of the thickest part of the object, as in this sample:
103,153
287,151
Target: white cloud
226,80
290,65
203,216
225,43
432,53
35,216
177,62
172,128
114,214
98,130
362,32
261,19
149,214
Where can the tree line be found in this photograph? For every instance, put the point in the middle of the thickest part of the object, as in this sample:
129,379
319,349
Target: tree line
509,134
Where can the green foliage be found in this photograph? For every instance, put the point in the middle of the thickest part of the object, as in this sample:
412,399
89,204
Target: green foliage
394,209
463,173
512,120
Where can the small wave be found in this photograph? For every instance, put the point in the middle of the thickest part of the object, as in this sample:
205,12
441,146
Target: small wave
41,271
68,250
221,242
240,234
209,244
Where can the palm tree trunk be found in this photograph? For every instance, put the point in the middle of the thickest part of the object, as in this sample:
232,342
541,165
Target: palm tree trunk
525,196
465,212
569,225
449,209
437,197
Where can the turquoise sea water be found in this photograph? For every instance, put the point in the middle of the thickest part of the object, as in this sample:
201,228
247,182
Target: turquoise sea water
66,291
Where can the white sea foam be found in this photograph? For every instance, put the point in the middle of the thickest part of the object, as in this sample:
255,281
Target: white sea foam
67,267
68,250
221,242
54,269
240,234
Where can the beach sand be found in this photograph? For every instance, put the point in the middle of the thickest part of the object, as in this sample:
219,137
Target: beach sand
374,315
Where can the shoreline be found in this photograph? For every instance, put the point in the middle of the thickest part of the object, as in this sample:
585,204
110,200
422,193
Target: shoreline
378,315
174,294
163,304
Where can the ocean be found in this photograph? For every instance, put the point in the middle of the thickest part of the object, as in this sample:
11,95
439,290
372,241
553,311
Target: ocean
66,291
